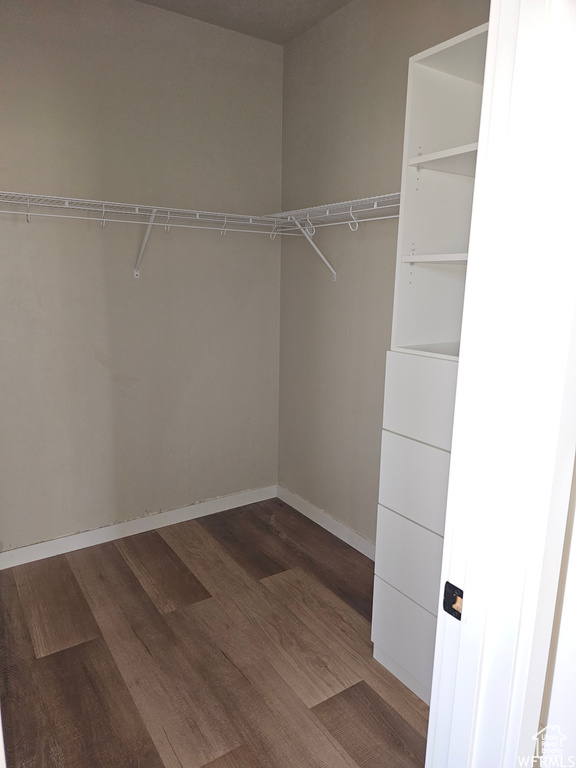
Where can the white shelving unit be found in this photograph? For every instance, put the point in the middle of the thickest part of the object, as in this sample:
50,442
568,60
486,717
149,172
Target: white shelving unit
440,148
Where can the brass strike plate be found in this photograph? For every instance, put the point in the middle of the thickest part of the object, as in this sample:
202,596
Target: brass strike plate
453,598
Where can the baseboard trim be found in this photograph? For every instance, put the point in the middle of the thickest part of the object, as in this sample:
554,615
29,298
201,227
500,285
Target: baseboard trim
64,544
328,522
85,539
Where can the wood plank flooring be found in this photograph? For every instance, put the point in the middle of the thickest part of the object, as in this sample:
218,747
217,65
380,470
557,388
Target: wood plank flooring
370,730
56,613
240,640
273,537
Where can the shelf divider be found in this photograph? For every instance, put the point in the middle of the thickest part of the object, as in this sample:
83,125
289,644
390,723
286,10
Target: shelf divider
435,258
458,160
448,350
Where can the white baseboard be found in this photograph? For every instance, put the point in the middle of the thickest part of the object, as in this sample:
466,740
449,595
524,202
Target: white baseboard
85,539
29,554
328,522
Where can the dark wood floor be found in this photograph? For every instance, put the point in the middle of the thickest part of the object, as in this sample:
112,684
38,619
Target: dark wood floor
240,640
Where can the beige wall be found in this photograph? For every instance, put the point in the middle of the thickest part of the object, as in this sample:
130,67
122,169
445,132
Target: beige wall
344,103
123,397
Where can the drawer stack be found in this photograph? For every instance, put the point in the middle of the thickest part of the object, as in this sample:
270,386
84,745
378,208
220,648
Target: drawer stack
416,437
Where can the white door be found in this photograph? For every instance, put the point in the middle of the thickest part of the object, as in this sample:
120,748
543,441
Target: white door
515,420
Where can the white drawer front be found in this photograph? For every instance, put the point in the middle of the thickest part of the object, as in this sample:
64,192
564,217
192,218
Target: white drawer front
419,397
414,480
406,634
409,558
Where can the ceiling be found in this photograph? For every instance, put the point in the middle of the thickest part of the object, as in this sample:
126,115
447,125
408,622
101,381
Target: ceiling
278,21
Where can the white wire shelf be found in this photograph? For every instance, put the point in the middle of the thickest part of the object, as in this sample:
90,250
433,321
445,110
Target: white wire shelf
302,222
351,212
127,213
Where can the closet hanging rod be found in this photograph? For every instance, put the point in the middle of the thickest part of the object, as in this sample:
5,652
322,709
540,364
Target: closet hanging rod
165,222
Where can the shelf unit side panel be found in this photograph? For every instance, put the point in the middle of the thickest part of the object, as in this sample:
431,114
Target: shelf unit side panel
404,211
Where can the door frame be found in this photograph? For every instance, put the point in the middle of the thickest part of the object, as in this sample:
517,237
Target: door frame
515,419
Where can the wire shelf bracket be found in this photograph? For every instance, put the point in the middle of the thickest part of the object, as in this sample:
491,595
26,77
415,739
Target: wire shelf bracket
298,223
313,244
144,244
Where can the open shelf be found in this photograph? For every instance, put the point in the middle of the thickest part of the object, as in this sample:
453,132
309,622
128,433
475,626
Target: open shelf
444,113
435,258
463,57
437,213
459,160
430,309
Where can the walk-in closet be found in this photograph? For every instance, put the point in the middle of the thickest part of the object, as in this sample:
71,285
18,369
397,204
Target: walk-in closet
233,261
